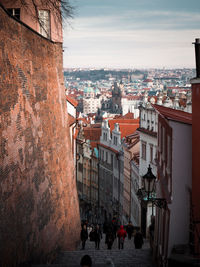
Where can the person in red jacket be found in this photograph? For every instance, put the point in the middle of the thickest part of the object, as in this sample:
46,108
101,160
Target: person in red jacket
121,234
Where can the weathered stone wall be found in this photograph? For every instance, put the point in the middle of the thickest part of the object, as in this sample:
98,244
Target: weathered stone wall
39,211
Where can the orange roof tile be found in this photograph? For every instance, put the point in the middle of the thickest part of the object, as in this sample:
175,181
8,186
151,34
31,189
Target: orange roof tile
92,134
174,114
72,101
128,115
71,120
76,133
126,126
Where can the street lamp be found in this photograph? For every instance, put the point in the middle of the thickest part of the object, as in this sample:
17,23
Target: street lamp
146,193
149,182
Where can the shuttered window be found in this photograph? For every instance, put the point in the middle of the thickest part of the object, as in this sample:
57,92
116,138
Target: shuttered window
44,21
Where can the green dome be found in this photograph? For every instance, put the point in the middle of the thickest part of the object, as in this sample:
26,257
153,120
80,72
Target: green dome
88,90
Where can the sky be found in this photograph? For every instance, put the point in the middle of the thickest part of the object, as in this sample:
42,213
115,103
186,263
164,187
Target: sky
132,34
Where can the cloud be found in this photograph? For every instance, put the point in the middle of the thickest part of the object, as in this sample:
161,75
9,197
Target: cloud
150,38
153,48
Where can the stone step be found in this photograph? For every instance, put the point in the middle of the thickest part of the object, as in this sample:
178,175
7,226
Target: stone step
128,257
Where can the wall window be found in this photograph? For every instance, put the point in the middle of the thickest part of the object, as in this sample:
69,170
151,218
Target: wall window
169,153
144,151
115,140
15,12
106,156
44,21
105,136
111,161
151,153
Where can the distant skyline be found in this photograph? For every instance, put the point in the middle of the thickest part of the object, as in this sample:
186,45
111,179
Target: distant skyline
132,34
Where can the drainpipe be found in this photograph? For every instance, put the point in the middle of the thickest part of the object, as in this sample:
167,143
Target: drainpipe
197,56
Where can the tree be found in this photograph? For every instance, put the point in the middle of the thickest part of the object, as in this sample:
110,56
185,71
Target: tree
62,11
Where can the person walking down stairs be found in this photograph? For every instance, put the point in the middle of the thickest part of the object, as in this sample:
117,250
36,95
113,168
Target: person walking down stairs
121,234
84,235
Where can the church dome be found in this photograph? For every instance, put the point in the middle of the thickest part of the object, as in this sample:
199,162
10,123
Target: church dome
88,90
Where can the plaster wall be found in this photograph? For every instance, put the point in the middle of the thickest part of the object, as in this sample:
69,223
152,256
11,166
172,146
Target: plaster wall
181,182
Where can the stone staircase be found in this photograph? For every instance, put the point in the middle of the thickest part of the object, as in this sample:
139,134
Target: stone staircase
129,256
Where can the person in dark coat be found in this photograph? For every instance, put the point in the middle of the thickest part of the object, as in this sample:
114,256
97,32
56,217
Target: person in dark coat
129,230
97,236
121,234
92,234
109,237
138,240
84,235
86,261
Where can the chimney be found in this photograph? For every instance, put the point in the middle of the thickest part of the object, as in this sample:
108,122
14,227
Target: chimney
197,55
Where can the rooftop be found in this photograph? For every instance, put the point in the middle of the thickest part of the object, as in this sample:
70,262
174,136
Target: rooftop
126,126
72,101
174,114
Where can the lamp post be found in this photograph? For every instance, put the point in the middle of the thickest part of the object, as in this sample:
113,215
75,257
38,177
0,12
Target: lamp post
149,183
146,193
148,190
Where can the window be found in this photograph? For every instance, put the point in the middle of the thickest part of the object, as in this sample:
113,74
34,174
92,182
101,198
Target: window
105,136
44,21
115,140
15,12
144,151
106,156
111,161
169,153
80,167
151,153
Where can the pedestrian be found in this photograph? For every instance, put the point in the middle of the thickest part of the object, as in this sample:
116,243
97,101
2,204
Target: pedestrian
92,234
109,237
151,232
121,234
97,236
129,230
86,261
138,239
84,235
114,226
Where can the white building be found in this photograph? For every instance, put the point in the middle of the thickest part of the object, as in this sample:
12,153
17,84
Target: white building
91,100
131,104
110,172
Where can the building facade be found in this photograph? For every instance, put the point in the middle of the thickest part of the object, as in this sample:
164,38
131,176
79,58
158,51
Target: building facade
174,174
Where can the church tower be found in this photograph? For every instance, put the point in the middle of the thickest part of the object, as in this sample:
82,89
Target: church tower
116,98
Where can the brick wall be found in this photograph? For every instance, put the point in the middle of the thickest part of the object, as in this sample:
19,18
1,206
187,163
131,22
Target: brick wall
39,212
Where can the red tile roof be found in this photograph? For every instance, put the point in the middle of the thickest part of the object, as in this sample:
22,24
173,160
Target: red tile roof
94,144
71,120
92,134
128,115
110,148
126,126
144,130
174,114
76,133
72,101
